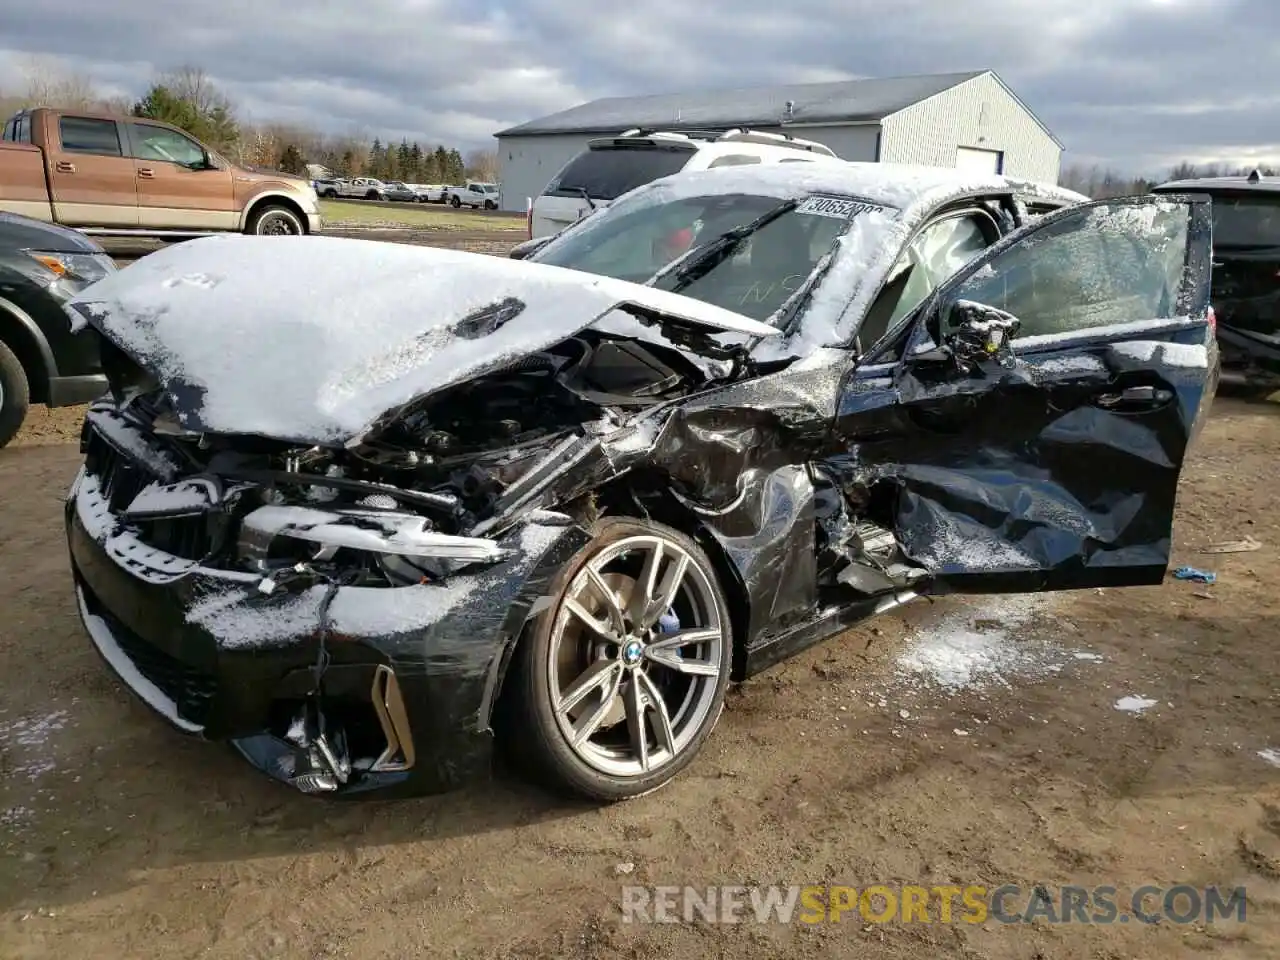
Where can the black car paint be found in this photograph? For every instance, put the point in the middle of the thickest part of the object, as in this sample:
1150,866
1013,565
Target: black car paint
62,367
759,470
1246,290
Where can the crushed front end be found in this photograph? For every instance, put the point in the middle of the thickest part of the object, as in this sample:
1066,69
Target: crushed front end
335,628
344,614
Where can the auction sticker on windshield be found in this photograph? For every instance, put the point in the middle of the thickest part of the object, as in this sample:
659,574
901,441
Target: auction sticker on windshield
840,208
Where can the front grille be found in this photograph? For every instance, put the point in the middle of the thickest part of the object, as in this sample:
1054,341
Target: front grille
186,537
121,478
192,690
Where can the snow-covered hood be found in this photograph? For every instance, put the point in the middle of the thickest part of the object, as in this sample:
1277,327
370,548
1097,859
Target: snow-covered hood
312,339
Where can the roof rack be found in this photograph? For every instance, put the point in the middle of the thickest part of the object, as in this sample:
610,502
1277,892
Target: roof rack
777,140
735,135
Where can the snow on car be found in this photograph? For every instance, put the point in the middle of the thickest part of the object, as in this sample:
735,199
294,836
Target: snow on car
571,499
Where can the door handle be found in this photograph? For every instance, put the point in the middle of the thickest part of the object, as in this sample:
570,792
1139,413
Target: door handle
65,166
1135,396
146,173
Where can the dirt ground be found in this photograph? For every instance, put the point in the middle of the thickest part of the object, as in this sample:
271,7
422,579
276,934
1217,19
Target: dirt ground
967,741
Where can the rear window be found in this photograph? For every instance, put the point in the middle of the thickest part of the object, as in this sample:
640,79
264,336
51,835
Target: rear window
85,135
1246,221
609,173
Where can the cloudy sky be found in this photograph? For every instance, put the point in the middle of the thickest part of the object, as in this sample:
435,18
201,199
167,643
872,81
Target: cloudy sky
1137,84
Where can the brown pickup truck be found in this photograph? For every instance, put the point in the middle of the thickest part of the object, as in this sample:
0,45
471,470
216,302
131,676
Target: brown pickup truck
112,175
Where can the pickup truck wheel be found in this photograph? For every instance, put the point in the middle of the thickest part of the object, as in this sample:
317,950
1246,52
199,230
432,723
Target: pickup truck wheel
491,205
15,395
275,222
455,202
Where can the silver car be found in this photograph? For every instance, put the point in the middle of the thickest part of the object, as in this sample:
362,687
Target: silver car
395,190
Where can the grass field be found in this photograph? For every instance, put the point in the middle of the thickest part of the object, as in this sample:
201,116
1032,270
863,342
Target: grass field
338,213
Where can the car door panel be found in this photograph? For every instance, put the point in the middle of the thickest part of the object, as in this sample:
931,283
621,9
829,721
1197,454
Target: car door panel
91,179
1053,462
178,195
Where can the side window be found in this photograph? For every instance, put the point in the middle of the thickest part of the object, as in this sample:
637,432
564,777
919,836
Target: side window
9,130
166,146
1109,264
86,135
937,253
23,134
733,160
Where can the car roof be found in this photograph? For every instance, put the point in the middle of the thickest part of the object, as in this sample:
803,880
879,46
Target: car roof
903,186
1255,183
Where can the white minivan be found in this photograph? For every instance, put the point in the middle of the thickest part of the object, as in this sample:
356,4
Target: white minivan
612,166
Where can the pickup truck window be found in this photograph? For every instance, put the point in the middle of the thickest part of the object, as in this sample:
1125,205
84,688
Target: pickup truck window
18,129
86,135
168,146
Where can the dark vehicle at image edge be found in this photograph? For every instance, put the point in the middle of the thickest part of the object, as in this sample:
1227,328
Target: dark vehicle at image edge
1246,275
762,405
43,266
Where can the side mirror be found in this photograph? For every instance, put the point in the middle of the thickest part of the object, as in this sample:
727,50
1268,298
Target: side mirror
974,334
980,332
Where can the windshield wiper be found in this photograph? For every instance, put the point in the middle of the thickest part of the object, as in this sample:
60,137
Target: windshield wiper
582,192
701,259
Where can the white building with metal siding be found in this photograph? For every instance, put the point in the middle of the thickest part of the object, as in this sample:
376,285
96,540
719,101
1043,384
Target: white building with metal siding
968,120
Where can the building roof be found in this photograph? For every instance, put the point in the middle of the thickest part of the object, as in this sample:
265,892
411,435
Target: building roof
846,101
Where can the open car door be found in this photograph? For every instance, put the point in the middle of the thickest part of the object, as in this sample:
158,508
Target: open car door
1046,398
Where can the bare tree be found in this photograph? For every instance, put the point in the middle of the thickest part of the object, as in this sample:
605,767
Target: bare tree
193,85
48,85
482,165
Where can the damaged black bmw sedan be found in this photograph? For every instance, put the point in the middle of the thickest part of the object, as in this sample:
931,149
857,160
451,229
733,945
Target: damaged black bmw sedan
363,510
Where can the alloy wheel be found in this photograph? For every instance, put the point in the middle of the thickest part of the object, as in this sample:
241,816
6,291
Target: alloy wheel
635,656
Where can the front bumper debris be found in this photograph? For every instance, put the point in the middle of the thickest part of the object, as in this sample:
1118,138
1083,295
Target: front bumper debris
339,690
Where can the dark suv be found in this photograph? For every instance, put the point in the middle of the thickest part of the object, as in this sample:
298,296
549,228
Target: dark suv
41,359
1246,275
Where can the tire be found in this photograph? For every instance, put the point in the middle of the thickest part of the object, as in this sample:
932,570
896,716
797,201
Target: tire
15,395
455,202
330,194
275,221
372,195
490,205
558,652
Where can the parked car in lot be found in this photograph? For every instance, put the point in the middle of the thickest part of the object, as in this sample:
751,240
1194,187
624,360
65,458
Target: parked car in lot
106,174
611,166
431,192
1246,274
399,192
42,266
728,417
361,188
475,195
327,188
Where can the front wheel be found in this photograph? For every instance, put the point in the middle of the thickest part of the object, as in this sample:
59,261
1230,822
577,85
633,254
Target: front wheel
620,682
275,221
491,205
15,394
455,202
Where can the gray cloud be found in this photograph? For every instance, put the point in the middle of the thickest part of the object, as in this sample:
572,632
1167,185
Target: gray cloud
1138,84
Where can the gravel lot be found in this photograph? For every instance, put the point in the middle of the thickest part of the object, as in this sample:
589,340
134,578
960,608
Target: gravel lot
963,741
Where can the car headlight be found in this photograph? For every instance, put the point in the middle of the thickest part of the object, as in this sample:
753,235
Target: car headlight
81,268
403,543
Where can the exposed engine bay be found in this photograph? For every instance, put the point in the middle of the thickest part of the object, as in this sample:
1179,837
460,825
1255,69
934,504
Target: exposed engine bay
439,468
